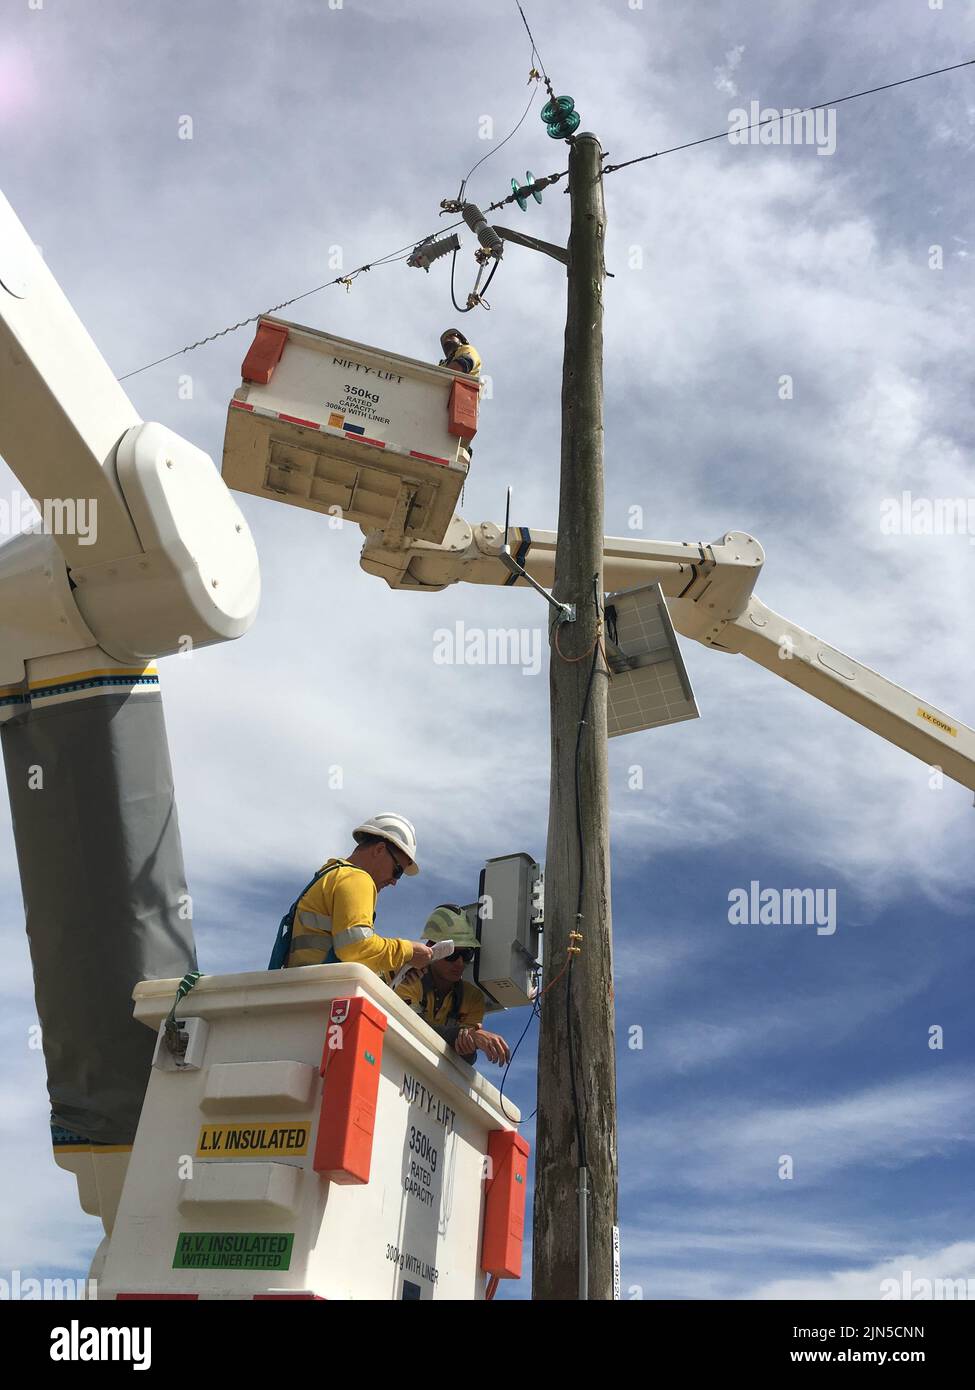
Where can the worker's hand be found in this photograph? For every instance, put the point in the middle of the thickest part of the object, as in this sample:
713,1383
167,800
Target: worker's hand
491,1044
422,954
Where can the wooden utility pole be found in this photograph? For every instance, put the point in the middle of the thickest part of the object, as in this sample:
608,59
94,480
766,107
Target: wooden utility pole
576,1131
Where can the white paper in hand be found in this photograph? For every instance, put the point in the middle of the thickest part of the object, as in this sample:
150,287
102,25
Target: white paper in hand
439,948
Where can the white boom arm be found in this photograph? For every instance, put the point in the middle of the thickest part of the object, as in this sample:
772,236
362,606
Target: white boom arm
63,411
852,688
144,553
708,587
164,555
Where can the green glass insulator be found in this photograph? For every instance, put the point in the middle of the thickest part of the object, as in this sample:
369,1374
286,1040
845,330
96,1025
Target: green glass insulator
561,130
522,202
553,110
560,117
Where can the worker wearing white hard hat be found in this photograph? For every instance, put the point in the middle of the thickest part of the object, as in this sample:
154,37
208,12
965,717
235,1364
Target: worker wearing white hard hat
452,1006
332,918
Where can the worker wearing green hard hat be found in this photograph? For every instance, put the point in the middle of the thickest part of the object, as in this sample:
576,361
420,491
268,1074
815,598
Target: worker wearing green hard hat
441,996
459,354
451,923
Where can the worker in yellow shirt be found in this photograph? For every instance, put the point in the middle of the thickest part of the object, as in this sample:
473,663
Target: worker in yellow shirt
332,918
459,354
448,1003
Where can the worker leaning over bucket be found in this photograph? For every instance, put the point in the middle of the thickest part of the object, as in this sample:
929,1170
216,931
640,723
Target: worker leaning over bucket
332,918
443,999
459,354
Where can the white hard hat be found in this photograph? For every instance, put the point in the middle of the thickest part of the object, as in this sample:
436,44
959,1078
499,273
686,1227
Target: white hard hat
396,829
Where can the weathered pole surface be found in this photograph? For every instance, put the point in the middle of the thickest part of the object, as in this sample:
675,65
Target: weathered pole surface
582,999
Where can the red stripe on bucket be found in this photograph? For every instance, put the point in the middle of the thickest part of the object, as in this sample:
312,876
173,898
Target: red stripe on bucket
294,420
430,458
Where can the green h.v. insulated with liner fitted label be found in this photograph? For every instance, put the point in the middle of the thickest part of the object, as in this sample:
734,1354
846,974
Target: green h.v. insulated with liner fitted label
233,1250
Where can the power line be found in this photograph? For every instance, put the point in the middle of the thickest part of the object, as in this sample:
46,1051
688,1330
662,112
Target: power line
402,252
495,148
853,96
533,77
535,52
383,260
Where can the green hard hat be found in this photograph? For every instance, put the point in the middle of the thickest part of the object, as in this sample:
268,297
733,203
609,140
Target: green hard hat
452,333
449,923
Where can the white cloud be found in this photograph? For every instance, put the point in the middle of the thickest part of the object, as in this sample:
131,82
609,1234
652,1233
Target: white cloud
888,1279
736,1148
723,75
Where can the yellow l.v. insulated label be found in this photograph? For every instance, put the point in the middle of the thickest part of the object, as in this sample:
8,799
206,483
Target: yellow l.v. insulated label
941,724
260,1140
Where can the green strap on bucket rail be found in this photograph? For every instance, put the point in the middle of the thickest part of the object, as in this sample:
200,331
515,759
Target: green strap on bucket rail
175,1041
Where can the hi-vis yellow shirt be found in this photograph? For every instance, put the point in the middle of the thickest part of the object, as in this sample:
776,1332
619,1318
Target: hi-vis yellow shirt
337,914
422,1001
468,357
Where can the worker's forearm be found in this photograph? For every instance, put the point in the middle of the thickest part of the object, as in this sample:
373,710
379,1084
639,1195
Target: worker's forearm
449,1032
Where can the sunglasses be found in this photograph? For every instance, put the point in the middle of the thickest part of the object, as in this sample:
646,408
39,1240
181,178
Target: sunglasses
398,870
464,953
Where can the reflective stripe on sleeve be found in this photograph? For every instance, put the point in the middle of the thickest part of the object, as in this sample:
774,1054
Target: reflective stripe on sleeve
350,935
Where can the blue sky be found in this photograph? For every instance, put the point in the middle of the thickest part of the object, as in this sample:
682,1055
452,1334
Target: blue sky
316,128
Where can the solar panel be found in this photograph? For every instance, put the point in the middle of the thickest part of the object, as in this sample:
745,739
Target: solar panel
649,685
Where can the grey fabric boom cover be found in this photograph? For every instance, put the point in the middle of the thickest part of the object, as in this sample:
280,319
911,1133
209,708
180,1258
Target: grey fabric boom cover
101,868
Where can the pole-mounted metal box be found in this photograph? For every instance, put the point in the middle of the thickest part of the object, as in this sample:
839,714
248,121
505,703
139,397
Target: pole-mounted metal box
509,919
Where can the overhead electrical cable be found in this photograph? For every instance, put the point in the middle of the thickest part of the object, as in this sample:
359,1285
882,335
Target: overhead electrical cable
403,252
535,52
494,148
788,115
400,254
